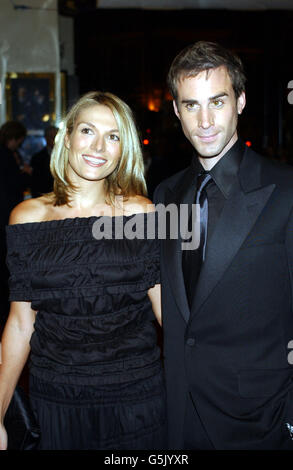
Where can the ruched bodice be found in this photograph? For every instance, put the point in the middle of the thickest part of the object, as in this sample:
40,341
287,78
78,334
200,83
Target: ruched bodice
94,322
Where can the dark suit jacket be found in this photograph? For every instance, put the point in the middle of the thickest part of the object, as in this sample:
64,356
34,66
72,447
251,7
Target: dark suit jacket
231,350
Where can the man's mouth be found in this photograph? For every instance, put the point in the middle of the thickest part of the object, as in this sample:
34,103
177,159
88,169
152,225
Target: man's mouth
207,138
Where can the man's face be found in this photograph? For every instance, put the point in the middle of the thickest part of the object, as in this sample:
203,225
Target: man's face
208,111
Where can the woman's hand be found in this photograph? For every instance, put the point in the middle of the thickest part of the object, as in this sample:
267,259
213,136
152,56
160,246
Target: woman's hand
3,438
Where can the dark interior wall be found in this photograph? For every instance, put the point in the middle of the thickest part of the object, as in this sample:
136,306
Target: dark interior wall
129,52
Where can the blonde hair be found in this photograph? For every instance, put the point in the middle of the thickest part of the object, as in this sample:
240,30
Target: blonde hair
128,177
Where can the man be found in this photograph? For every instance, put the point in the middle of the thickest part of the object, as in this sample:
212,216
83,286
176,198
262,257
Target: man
42,180
227,305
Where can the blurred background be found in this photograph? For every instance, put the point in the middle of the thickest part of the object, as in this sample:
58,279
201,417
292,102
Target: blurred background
53,51
129,52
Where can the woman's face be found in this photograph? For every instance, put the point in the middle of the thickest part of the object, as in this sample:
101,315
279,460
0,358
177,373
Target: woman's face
94,144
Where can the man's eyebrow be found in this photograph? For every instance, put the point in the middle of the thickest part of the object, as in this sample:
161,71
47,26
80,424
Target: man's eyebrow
212,98
189,101
219,95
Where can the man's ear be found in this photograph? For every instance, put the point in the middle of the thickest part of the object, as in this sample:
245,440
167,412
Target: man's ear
176,109
241,102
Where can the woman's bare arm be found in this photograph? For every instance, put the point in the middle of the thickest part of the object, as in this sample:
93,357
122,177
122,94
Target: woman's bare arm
15,349
154,294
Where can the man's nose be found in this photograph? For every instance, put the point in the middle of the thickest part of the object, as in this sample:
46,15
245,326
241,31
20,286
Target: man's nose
205,118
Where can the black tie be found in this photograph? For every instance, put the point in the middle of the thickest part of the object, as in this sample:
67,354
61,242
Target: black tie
192,259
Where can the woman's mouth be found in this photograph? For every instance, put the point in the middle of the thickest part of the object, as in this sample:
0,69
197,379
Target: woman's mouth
94,161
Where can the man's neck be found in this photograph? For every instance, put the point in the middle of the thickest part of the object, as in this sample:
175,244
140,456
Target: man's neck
209,162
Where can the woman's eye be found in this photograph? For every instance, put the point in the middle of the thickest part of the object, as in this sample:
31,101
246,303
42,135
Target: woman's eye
86,130
114,137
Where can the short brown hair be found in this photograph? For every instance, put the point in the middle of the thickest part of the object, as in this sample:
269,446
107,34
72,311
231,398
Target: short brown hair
12,130
204,55
128,177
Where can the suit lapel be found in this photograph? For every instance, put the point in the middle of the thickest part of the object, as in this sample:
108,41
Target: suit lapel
239,215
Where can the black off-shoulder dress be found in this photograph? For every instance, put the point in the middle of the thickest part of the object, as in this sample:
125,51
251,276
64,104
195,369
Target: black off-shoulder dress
96,379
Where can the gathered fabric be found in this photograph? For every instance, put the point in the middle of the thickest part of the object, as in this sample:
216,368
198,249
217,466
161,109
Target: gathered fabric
94,350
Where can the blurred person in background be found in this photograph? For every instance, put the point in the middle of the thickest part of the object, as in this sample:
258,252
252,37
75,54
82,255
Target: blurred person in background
42,179
12,187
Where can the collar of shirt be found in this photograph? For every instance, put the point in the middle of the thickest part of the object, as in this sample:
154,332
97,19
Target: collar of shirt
226,169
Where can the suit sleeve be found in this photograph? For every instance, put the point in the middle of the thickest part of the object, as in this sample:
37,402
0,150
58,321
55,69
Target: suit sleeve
158,196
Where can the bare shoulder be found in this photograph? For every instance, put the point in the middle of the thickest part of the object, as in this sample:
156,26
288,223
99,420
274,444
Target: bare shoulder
138,204
30,210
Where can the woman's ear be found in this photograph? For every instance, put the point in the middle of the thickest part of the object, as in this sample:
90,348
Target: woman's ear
67,141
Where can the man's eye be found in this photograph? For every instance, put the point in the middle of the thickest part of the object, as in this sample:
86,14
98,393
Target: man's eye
217,103
191,106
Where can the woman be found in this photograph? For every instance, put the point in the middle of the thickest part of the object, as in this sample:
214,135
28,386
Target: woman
83,306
